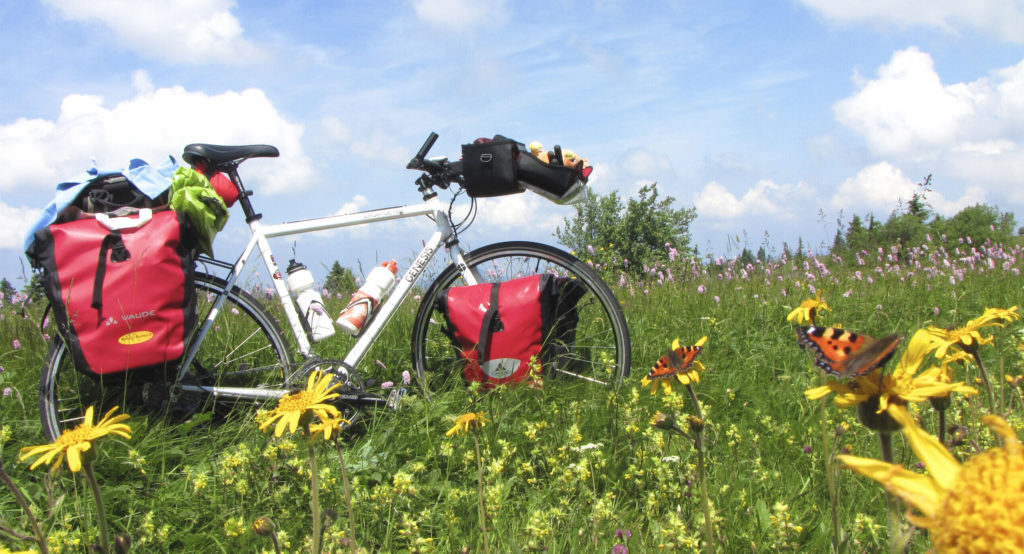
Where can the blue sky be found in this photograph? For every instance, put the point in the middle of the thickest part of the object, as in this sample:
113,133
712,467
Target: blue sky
775,119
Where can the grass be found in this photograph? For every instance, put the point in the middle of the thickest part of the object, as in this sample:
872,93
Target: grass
566,466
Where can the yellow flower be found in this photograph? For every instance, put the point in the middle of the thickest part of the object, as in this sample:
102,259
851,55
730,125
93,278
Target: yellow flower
329,426
977,506
902,386
666,422
298,409
78,441
968,337
467,422
263,526
808,309
688,373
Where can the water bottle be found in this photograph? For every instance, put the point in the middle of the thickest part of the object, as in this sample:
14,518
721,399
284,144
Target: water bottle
311,304
365,300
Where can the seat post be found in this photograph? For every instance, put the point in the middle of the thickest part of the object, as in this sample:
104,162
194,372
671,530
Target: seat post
243,195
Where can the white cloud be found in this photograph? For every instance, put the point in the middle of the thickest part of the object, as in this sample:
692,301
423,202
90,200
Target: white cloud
17,222
357,203
882,187
152,124
519,211
367,139
998,17
765,198
971,132
907,111
459,15
181,31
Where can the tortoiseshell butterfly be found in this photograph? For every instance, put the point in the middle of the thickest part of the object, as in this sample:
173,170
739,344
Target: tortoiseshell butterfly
674,362
844,353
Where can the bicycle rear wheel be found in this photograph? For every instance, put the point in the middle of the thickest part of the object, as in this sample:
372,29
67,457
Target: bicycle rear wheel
245,347
600,352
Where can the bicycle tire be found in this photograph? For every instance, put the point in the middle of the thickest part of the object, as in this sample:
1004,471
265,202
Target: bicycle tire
601,351
244,334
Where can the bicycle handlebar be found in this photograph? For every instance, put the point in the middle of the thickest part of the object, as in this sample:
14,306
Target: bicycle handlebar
419,160
438,173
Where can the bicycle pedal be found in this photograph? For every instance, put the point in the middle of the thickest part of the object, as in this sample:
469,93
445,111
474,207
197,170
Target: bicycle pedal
395,397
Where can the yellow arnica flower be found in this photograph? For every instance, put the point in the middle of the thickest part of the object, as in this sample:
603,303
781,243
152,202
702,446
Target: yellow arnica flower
679,364
977,506
968,337
902,386
666,422
298,409
808,309
333,425
467,422
78,441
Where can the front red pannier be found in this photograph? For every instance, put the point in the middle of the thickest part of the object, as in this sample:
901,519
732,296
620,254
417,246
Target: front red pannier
500,329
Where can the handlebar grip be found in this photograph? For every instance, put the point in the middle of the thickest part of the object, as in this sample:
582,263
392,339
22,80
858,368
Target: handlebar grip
417,160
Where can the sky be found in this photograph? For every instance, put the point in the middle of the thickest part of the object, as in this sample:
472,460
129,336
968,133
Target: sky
778,120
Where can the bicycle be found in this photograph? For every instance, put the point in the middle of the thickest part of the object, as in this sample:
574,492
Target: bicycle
239,353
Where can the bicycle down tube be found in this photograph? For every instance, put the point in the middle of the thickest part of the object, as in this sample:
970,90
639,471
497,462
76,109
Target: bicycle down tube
259,241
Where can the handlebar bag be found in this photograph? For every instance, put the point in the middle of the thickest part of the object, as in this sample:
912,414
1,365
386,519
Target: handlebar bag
503,166
489,167
500,329
121,288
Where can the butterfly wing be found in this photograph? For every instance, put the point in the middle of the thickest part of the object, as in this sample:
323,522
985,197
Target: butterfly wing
674,362
845,353
871,355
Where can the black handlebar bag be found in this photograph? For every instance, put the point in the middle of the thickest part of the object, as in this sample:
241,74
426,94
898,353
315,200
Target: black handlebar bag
504,332
121,288
501,166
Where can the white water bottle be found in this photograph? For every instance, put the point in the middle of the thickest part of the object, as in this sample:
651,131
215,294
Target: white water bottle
311,304
365,300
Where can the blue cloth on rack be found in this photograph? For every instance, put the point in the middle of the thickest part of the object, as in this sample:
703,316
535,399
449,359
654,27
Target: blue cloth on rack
150,180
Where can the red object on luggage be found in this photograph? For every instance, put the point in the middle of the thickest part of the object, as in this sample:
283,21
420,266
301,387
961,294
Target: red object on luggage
225,188
122,292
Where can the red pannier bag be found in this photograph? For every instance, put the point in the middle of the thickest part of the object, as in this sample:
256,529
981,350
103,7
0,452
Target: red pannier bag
498,328
122,288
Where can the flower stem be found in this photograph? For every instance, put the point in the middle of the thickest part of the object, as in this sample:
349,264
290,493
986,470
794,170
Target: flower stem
942,426
830,478
698,443
480,493
985,381
23,502
90,477
885,444
314,497
348,499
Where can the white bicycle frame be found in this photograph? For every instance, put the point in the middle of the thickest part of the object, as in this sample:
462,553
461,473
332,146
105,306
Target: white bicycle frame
432,208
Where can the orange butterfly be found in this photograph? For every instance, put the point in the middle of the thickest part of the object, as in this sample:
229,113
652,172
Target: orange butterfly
676,361
844,353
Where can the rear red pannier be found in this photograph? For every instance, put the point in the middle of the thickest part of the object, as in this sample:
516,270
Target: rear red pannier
121,288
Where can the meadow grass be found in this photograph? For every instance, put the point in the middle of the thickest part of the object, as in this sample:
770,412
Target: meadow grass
568,467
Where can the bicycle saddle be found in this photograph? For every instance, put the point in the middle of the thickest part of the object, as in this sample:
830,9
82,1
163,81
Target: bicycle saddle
223,157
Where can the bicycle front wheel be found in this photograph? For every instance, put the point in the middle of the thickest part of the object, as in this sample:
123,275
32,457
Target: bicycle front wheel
600,350
244,347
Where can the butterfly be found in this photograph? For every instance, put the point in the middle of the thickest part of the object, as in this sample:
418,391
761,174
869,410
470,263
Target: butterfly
844,353
676,361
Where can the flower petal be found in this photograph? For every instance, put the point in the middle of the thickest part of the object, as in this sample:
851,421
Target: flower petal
920,491
942,465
